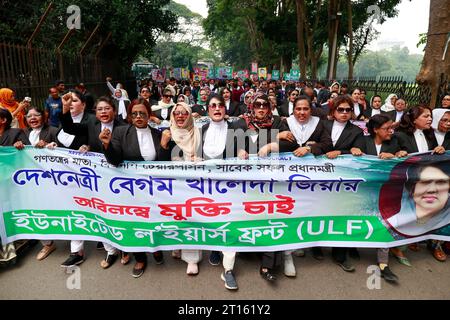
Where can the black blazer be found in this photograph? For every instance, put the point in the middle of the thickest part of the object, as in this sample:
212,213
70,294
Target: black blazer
124,145
351,137
231,140
283,110
392,114
157,113
89,120
446,143
361,111
234,110
408,143
92,131
11,136
48,133
265,136
368,113
389,146
119,118
320,141
201,110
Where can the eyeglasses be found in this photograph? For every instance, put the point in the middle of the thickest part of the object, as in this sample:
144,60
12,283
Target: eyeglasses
261,105
136,114
180,113
344,110
216,105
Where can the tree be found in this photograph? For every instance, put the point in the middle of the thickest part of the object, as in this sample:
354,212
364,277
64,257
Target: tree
134,25
434,65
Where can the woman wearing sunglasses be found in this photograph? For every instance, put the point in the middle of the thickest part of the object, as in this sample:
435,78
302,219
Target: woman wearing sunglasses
220,141
135,142
164,107
263,126
345,138
184,141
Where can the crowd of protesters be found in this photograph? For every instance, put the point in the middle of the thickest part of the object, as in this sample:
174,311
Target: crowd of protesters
305,118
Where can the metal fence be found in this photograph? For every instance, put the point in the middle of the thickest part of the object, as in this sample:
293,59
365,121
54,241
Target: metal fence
31,72
411,92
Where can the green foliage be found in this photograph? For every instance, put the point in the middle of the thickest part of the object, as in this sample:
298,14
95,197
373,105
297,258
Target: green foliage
185,47
389,63
229,27
135,25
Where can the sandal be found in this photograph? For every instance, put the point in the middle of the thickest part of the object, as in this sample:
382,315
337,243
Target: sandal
109,261
439,255
267,275
414,247
400,257
125,258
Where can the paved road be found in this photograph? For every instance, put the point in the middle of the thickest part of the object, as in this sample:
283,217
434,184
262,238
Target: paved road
30,279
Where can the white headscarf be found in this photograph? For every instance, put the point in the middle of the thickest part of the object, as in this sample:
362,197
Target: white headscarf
437,116
187,138
122,108
388,106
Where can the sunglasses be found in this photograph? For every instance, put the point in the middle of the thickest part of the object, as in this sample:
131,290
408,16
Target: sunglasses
180,113
261,105
216,105
344,110
136,114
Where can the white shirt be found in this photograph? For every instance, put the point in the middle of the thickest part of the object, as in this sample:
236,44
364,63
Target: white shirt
146,145
336,131
108,125
215,139
356,110
291,108
375,112
65,138
227,104
164,113
378,147
440,137
398,116
34,136
421,141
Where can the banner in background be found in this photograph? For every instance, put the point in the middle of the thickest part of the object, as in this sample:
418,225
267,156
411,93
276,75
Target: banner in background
275,74
254,67
277,203
262,73
224,73
159,75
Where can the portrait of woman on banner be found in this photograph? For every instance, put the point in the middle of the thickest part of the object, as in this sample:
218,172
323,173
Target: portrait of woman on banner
422,204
